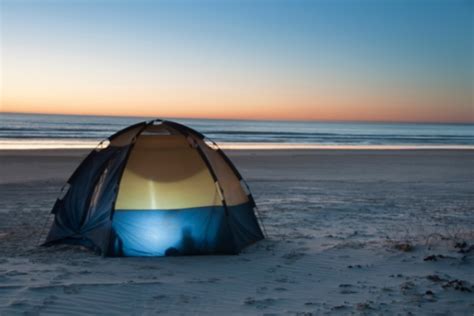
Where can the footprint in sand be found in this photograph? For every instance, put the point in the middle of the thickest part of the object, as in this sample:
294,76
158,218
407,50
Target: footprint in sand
19,303
346,289
50,300
185,299
293,256
364,307
209,280
71,289
260,304
339,308
15,273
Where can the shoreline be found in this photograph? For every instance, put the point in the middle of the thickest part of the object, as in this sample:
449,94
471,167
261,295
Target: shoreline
84,144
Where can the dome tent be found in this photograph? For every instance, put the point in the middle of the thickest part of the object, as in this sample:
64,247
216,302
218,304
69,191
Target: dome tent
156,189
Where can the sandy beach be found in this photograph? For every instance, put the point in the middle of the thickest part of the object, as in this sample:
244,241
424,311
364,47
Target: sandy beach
349,232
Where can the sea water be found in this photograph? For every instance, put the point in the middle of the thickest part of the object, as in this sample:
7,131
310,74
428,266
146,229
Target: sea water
34,131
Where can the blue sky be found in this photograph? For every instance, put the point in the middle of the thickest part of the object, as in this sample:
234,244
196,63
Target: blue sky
386,56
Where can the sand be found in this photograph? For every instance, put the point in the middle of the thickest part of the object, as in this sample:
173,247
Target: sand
349,232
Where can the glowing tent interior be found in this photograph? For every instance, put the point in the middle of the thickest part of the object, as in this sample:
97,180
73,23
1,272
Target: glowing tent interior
157,188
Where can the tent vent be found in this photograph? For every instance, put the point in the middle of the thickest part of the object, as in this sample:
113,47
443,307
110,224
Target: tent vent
103,145
211,144
160,131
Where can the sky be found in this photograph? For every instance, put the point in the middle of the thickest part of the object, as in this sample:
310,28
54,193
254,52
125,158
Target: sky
391,60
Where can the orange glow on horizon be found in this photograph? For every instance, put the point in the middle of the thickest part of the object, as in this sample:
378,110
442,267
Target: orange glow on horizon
320,111
336,97
277,101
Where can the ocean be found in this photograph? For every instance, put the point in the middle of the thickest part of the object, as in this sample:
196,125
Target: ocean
34,131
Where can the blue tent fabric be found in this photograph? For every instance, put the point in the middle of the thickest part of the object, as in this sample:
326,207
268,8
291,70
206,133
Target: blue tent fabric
244,224
97,224
190,231
86,215
71,211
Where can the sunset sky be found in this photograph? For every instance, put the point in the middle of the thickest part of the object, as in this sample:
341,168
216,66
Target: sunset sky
262,59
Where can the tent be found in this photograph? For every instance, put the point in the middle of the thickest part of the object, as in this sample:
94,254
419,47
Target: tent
156,188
